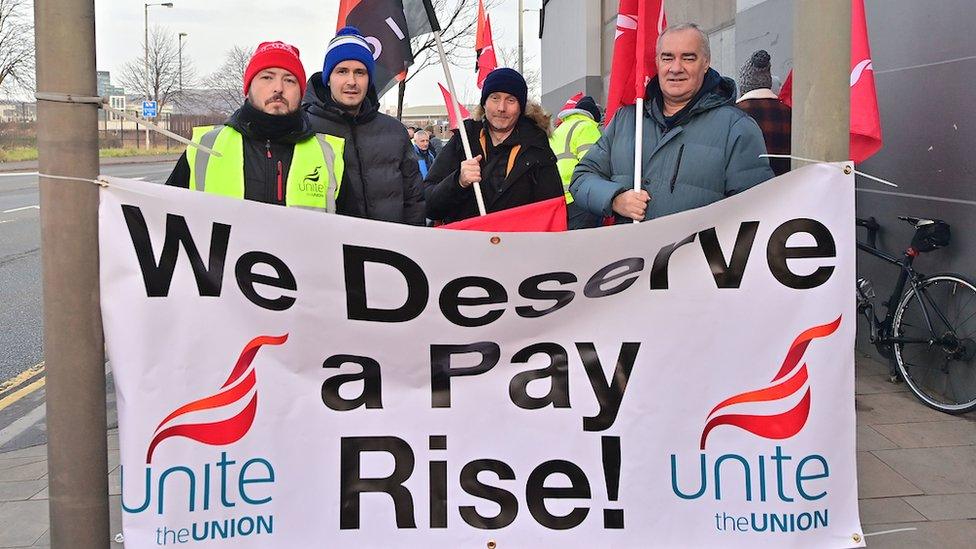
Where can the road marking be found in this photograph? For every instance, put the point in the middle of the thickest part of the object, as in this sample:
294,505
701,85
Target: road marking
21,377
35,207
20,393
17,174
22,424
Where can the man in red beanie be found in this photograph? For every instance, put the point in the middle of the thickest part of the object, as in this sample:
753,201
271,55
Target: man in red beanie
267,149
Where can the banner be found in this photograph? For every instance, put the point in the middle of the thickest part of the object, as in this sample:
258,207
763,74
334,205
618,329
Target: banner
287,378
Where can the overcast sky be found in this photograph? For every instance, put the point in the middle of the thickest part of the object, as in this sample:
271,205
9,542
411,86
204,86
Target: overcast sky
214,26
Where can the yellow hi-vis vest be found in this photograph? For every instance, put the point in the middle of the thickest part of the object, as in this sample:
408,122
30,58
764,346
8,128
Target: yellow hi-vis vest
569,142
314,176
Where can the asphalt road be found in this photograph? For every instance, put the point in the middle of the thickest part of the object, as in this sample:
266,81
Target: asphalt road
21,313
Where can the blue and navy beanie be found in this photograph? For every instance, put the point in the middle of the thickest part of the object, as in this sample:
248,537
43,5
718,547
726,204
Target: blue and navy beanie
347,44
505,80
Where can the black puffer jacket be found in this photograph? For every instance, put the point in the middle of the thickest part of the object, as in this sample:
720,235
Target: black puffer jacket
381,179
261,158
533,176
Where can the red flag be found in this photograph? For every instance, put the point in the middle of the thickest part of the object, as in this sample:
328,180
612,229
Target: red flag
486,60
570,104
449,101
628,70
865,117
479,37
538,217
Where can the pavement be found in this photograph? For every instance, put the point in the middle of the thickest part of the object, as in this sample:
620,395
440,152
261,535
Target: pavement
915,474
32,164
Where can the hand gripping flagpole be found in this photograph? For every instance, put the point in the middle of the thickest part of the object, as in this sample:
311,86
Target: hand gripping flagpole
454,104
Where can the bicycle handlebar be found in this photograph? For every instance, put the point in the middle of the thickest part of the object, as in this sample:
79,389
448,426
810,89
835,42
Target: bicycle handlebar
871,224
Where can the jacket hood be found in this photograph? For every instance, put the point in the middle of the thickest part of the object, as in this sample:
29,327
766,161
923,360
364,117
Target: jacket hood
716,91
318,101
570,112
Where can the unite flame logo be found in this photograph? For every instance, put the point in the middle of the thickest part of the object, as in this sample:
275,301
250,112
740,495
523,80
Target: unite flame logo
238,386
789,381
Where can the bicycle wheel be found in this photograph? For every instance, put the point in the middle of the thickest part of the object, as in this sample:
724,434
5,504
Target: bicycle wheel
942,374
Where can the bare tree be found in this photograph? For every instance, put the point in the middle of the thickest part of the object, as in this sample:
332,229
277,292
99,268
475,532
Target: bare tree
459,22
16,46
163,84
508,57
226,84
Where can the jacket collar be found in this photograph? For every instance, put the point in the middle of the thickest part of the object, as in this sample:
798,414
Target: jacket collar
758,93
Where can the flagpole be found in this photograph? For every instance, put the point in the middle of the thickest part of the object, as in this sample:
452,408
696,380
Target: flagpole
638,143
457,116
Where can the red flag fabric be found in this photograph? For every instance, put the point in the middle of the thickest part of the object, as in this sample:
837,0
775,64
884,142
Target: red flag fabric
569,104
479,37
625,84
538,217
866,137
487,61
449,101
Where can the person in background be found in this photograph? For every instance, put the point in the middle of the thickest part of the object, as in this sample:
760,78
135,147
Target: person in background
512,159
578,130
758,100
425,154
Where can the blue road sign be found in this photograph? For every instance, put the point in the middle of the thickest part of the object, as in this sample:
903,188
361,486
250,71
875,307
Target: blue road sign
149,109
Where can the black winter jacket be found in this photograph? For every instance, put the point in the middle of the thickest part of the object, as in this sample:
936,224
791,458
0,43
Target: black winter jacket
381,178
534,175
261,159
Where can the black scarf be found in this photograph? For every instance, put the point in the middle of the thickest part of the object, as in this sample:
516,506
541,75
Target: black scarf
257,124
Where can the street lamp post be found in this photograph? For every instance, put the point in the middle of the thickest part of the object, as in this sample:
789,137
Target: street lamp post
146,52
182,35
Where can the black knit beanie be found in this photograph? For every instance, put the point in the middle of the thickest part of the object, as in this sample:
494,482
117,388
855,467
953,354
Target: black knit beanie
508,81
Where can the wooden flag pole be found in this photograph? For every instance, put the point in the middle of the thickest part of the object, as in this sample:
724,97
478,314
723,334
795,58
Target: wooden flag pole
457,114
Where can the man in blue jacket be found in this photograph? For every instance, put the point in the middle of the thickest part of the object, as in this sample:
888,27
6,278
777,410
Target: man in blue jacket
697,147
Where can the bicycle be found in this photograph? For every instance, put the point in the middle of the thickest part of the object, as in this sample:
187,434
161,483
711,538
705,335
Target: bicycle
929,327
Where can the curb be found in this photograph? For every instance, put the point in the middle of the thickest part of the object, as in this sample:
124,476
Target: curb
32,164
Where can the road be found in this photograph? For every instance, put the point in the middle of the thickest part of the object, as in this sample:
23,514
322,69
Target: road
21,314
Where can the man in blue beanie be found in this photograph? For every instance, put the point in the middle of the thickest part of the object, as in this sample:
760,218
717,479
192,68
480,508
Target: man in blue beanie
381,179
512,159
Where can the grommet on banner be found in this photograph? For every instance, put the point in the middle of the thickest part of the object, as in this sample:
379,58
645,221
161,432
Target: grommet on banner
491,542
848,170
496,240
856,538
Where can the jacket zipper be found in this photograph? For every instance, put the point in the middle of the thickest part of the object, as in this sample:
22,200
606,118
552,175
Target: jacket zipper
677,166
267,151
280,190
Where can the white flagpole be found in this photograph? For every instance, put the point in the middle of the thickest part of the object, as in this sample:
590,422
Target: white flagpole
638,143
457,115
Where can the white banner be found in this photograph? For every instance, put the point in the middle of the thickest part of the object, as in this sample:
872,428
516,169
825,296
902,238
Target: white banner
292,379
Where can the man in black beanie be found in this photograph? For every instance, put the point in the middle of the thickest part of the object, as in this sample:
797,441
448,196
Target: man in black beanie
512,159
758,100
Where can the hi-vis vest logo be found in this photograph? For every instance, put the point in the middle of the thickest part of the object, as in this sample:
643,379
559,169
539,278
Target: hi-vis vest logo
314,176
240,384
788,381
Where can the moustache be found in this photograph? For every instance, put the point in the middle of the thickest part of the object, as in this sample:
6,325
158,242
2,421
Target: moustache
277,97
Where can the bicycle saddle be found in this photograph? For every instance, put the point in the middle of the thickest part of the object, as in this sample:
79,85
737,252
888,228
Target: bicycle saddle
918,221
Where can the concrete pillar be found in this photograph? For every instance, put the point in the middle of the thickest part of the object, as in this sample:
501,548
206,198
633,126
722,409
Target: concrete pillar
821,80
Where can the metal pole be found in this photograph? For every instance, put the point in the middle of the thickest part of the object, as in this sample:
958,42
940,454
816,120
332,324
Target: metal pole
182,35
821,80
67,142
520,25
146,51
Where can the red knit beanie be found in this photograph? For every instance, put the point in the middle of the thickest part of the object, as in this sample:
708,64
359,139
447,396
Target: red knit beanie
277,55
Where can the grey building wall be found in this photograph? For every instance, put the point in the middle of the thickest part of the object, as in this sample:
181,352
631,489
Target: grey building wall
924,58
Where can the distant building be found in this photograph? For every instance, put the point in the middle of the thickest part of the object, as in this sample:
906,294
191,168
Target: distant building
18,111
423,116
